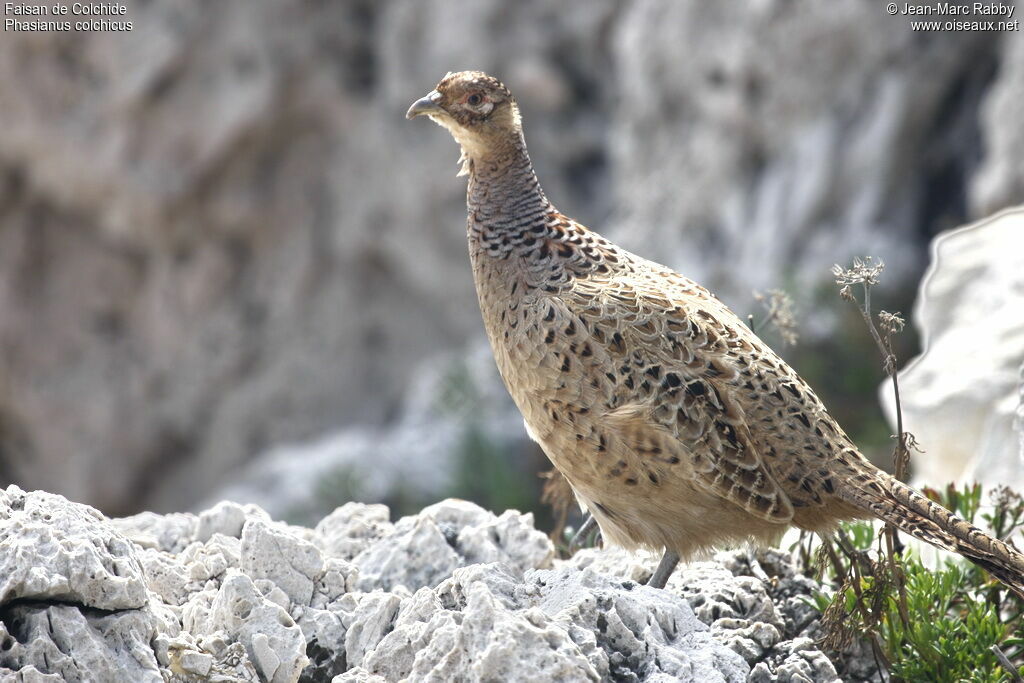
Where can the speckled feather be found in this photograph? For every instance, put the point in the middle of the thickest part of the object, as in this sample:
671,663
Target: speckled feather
675,425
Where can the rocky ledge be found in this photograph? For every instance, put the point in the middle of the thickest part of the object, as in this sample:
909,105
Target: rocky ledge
452,593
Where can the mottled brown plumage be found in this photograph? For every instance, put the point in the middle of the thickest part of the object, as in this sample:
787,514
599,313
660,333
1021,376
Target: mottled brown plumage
676,426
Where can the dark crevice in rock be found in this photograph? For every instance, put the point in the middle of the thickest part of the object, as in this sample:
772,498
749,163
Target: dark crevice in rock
451,535
324,663
36,604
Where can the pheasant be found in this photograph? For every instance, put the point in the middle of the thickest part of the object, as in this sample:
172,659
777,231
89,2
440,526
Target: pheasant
675,425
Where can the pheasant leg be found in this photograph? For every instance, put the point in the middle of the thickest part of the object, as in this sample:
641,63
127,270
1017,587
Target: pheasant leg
665,568
580,537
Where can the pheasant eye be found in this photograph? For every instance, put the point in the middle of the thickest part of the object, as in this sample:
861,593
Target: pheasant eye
475,99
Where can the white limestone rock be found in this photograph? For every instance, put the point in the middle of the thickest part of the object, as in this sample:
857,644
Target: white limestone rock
28,674
510,538
340,625
416,555
226,518
614,561
715,593
803,662
351,528
757,620
52,549
324,633
212,658
81,646
167,576
198,663
424,549
960,395
769,624
466,627
167,533
209,561
230,595
337,578
562,624
292,564
367,618
272,640
358,675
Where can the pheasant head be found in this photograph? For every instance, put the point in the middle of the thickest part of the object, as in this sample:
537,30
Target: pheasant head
479,112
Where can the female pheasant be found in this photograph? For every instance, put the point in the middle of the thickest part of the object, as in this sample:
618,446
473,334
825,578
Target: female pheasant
675,425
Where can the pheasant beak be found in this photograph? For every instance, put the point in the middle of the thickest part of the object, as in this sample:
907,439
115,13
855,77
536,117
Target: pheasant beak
427,105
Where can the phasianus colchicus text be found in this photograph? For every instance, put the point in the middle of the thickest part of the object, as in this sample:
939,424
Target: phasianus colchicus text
675,425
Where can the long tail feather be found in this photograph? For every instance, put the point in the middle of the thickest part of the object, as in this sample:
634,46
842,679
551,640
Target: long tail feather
893,501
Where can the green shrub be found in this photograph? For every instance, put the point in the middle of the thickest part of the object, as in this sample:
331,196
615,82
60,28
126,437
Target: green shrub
927,624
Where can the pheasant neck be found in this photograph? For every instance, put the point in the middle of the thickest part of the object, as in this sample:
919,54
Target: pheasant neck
504,197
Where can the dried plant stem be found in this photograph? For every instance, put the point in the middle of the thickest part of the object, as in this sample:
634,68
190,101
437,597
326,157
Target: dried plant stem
837,564
1005,662
860,565
866,273
780,314
900,455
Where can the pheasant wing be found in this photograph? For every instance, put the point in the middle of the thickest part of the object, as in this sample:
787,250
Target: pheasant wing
673,395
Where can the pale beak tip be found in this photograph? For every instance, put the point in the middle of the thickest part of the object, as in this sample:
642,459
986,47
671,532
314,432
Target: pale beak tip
425,105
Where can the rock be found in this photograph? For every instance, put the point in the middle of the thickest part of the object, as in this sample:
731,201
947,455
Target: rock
452,592
424,549
715,593
351,528
169,577
367,618
418,555
224,518
197,663
29,674
291,564
764,623
221,660
803,662
961,394
337,578
510,539
80,646
615,561
272,640
575,624
166,533
51,549
358,675
209,561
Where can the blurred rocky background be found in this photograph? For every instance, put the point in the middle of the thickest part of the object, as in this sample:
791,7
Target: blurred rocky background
230,267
